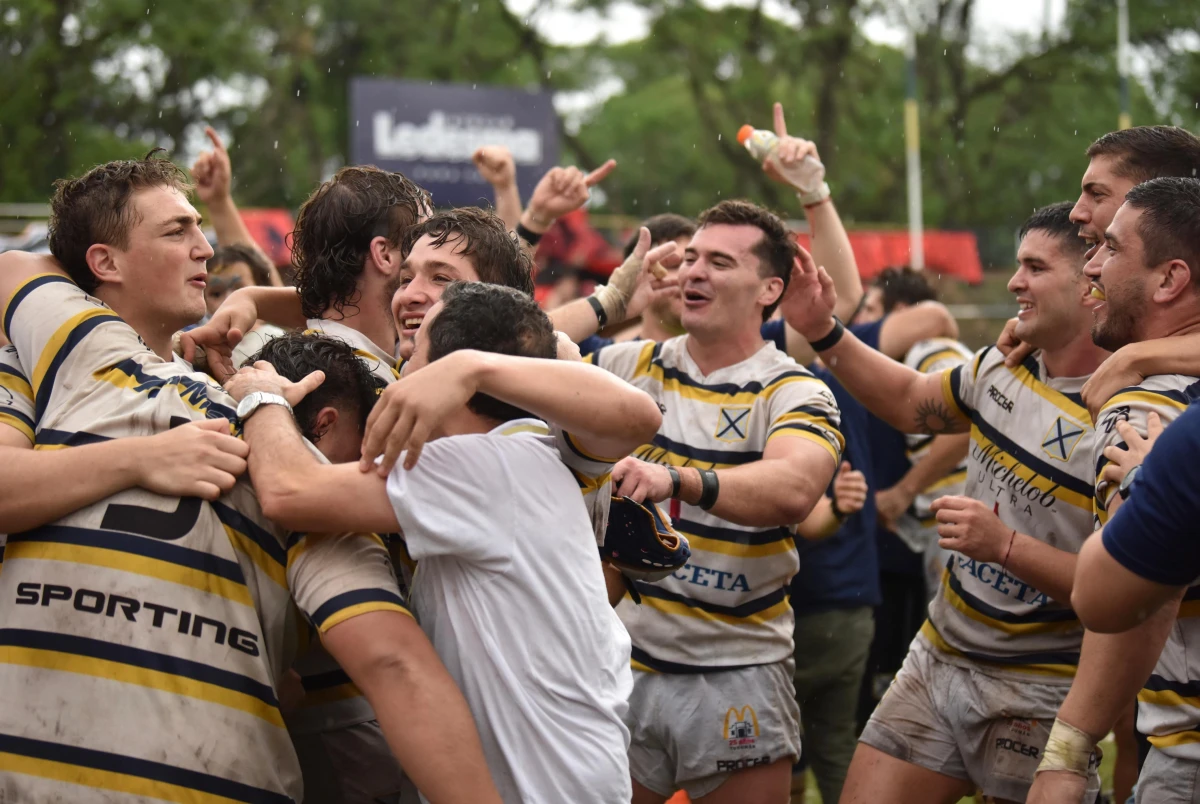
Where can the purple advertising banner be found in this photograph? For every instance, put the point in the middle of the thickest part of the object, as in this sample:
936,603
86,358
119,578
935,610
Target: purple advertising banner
429,131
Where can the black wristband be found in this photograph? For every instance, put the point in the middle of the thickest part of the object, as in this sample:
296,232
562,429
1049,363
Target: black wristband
529,237
676,481
838,513
710,487
830,340
601,316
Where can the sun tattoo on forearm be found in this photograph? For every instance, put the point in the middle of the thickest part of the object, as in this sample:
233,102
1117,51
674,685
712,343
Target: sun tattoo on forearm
935,418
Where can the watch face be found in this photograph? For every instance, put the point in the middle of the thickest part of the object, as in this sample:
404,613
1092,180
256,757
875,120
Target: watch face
246,405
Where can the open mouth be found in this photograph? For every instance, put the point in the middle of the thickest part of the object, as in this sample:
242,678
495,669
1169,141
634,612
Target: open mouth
693,298
409,324
1024,308
1097,293
199,281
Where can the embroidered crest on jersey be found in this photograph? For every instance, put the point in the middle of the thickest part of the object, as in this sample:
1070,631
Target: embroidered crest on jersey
733,423
1061,439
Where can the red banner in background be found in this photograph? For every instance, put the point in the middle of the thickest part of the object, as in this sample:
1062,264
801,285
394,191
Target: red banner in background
271,228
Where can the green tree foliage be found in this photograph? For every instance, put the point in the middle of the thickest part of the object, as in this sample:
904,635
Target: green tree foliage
1004,124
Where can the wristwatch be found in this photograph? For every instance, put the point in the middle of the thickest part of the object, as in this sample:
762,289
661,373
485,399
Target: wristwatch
253,401
1128,481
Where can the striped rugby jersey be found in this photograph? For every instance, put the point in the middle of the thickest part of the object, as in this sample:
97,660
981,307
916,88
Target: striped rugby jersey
1169,703
141,637
728,607
382,365
930,357
16,403
1030,458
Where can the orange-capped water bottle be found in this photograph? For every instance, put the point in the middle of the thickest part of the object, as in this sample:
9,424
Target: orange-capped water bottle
806,176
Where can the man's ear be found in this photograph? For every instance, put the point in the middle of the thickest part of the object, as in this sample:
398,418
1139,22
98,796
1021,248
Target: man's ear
772,291
102,260
384,257
1176,279
326,419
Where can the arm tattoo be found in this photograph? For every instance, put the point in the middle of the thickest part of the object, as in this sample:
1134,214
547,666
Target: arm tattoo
935,418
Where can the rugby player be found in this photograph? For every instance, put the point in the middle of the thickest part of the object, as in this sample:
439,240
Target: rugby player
748,446
1147,273
175,612
509,586
972,705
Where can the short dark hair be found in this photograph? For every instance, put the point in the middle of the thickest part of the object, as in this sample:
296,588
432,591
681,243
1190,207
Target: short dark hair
904,285
776,251
349,385
94,208
1151,152
663,228
1055,220
1169,225
491,318
233,253
480,236
336,225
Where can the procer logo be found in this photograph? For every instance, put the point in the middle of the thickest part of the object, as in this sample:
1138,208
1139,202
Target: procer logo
728,765
1017,747
997,396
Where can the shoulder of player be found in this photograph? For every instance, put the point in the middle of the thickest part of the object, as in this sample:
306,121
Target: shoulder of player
928,354
1166,394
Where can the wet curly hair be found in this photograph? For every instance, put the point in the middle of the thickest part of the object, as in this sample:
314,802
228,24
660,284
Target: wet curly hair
481,237
336,225
95,208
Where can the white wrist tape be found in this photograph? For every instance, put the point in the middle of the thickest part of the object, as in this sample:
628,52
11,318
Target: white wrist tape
1067,749
816,196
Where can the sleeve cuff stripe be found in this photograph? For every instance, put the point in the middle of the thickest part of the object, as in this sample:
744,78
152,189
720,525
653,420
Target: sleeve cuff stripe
362,608
358,597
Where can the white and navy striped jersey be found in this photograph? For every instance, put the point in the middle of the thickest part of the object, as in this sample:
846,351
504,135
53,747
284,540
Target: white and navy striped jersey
1169,704
141,638
16,396
382,365
1030,459
728,606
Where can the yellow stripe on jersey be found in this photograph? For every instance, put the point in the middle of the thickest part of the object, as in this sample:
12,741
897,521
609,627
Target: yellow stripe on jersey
106,780
941,354
701,393
1033,478
808,435
1142,397
574,444
536,429
269,566
1176,739
142,677
641,668
365,355
949,480
127,562
950,395
60,339
18,424
16,384
361,608
1016,629
1059,400
652,453
672,607
697,543
1167,698
1059,670
589,485
194,393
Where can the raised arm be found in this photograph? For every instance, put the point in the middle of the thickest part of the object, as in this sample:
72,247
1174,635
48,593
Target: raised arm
905,328
906,399
213,175
604,414
495,163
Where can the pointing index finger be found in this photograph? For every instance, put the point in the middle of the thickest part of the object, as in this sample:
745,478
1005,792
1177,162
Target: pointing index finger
599,174
214,138
780,125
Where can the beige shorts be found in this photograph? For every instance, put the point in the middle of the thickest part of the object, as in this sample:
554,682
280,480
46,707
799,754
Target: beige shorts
1168,780
349,765
691,732
961,723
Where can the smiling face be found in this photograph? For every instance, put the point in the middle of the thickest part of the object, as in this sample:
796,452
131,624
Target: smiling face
1103,192
1051,290
424,275
1122,283
161,272
720,281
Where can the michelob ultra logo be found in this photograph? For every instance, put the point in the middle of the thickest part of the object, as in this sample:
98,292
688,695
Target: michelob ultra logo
741,727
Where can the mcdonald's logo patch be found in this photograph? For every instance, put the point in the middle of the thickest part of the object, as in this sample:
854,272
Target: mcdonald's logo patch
741,727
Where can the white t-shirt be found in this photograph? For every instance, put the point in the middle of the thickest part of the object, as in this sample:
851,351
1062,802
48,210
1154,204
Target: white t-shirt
510,590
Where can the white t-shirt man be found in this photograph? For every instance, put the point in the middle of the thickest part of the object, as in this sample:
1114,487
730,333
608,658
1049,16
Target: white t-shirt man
510,590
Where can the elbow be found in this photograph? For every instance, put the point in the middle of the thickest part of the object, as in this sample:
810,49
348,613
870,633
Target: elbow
645,419
280,495
1102,614
943,323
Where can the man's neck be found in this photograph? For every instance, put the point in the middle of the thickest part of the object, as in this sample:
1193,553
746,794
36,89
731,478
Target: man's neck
1171,323
466,422
653,329
1079,358
713,353
372,321
153,332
